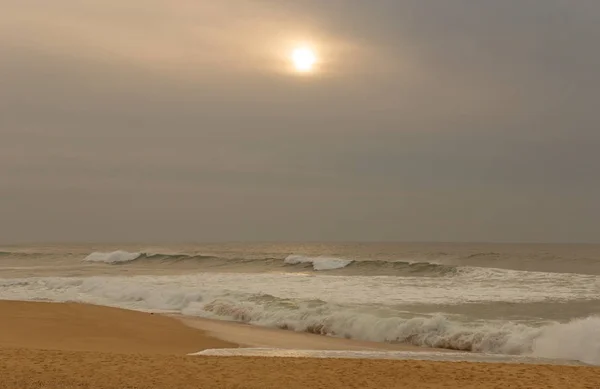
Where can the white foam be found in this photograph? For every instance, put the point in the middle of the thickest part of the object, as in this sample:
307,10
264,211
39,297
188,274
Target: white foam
437,331
395,355
237,297
578,339
319,263
340,290
112,257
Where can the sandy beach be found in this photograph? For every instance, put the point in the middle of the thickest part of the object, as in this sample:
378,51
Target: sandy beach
47,345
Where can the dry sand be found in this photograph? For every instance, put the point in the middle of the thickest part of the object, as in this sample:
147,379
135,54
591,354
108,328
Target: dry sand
45,345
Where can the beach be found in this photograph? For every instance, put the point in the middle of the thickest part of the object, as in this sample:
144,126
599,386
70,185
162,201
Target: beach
299,194
58,345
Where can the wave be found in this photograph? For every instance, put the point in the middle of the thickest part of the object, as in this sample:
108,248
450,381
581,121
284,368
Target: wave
578,339
325,319
112,257
319,263
124,257
291,263
353,267
22,254
484,255
374,260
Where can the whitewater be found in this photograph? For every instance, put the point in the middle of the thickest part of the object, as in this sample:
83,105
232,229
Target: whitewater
535,301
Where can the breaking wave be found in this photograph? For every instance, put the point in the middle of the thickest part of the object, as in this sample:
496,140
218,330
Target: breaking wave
113,257
123,257
578,339
321,318
319,263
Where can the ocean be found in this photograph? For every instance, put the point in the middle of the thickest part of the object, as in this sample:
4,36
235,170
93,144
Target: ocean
507,299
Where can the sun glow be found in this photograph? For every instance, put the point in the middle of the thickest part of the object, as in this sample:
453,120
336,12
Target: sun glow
303,59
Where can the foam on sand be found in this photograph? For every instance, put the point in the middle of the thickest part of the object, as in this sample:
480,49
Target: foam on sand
396,355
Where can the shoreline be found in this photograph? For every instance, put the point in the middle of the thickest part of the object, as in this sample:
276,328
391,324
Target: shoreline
50,369
251,336
74,345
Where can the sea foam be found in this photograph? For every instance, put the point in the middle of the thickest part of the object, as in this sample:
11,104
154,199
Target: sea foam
579,339
112,257
207,296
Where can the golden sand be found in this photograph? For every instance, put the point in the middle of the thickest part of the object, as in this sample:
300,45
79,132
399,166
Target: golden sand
45,345
82,327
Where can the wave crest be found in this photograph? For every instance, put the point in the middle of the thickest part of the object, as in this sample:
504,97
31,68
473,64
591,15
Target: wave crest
578,339
319,263
291,263
112,257
437,331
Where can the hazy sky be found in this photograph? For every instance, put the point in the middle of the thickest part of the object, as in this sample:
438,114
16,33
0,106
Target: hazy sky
180,120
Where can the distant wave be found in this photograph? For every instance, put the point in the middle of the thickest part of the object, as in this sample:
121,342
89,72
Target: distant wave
291,263
422,262
319,263
484,255
124,257
113,257
20,254
578,339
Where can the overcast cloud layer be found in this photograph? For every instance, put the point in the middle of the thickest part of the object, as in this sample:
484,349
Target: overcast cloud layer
179,121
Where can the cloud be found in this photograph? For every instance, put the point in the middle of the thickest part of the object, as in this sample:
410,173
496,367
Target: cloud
453,120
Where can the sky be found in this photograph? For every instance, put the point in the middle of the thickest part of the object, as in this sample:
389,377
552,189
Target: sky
183,121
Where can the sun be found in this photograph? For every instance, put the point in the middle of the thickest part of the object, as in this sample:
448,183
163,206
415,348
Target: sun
303,59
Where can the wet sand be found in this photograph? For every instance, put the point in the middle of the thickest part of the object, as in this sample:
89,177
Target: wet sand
82,327
44,345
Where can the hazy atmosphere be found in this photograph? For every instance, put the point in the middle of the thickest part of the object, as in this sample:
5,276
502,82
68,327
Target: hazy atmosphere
185,121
